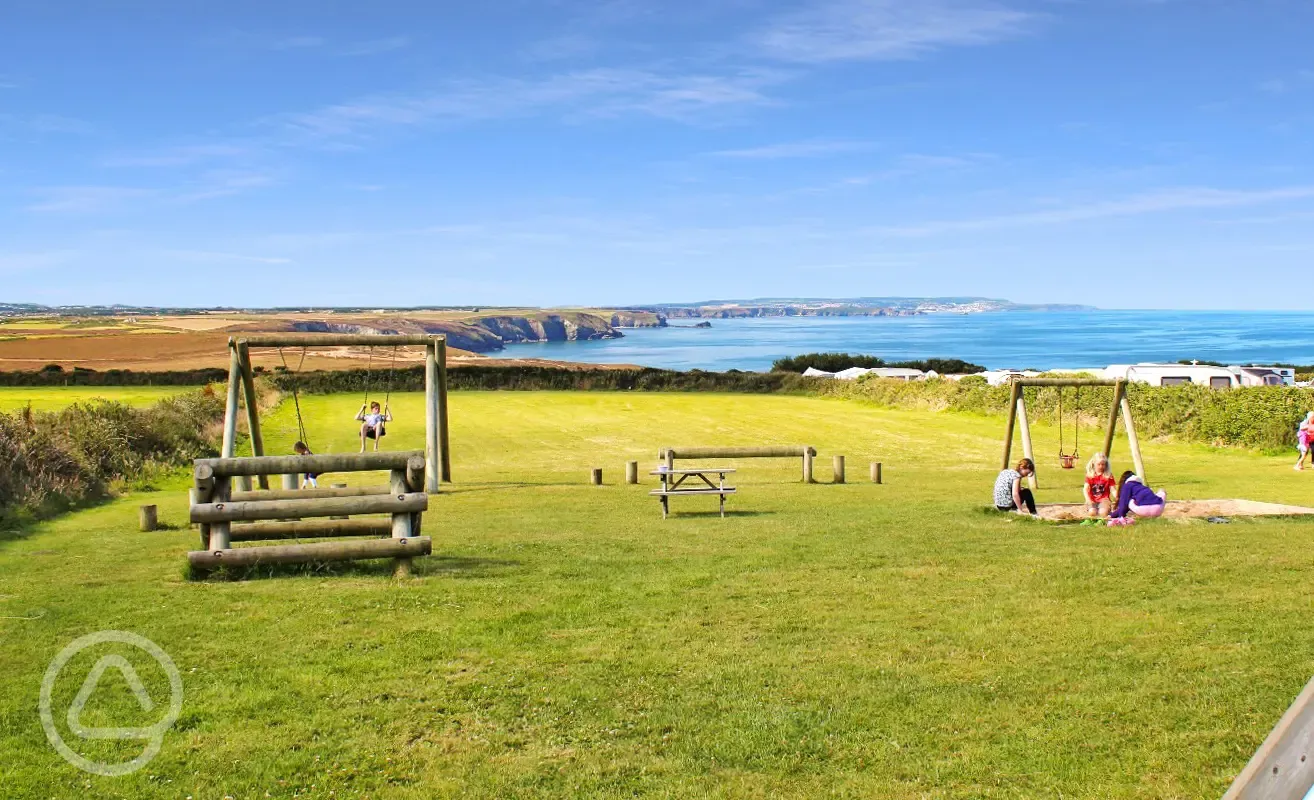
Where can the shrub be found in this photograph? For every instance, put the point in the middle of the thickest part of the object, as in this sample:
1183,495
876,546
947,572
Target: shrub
51,461
834,362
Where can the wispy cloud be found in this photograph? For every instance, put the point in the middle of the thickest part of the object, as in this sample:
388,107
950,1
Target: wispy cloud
884,30
181,156
11,263
207,255
46,123
83,199
1168,200
586,93
804,149
1301,79
224,183
374,46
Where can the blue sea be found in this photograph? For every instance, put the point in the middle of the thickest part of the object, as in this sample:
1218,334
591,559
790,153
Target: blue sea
1039,340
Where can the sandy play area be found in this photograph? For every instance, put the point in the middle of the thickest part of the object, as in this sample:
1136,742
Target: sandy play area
1185,509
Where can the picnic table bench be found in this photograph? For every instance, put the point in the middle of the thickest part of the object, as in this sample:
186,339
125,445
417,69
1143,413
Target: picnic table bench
673,485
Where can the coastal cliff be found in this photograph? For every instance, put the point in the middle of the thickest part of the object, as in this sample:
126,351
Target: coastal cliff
481,334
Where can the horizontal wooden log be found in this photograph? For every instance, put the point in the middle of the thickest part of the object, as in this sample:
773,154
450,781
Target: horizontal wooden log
1063,382
311,494
314,552
319,464
774,451
337,339
317,529
324,507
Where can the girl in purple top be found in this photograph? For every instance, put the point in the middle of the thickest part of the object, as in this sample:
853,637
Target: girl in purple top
1134,497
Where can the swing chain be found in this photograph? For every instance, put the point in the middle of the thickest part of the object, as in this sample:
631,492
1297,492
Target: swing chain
296,400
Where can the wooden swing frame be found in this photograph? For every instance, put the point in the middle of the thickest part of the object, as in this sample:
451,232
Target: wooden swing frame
1017,413
241,377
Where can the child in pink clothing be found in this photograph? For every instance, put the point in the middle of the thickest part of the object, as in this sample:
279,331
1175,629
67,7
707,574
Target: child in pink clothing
1304,434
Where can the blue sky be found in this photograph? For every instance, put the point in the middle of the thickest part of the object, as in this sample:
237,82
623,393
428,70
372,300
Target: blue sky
1123,153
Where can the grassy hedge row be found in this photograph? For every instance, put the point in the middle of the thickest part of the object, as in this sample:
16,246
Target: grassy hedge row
57,376
53,461
1262,417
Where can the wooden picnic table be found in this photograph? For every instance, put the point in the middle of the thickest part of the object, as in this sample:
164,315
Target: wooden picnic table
673,485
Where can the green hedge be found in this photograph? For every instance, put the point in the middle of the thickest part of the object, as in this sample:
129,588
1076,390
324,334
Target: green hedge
55,375
52,461
528,378
1263,417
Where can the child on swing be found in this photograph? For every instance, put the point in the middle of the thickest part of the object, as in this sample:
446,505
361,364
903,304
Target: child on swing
1100,486
372,424
1304,434
311,479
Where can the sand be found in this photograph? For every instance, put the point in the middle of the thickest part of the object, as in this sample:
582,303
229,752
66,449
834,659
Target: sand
1186,509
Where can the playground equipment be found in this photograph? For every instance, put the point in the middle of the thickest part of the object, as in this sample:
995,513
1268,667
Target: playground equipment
227,513
1017,417
226,516
1069,460
806,453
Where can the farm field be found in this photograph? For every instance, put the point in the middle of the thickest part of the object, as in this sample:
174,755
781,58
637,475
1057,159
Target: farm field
894,641
54,398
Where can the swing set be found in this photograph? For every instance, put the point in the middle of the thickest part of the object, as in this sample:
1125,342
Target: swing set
1017,417
228,509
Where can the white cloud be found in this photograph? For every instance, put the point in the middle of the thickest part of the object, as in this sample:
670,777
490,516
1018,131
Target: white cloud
223,183
45,123
805,149
1183,199
886,30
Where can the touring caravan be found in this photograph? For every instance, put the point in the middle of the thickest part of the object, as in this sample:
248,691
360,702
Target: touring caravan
1202,375
1175,375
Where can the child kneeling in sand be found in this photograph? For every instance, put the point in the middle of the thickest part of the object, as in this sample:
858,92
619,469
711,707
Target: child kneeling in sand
1135,498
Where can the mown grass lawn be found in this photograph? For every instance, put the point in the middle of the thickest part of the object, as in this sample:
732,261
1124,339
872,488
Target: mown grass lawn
54,398
866,641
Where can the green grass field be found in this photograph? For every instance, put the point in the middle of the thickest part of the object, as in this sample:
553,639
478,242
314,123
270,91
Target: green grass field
864,641
53,398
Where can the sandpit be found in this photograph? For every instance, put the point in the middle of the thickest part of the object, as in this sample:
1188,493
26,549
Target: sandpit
1186,509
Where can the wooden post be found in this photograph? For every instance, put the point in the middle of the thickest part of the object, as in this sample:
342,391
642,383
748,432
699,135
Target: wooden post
670,459
444,443
631,472
839,468
343,486
147,518
252,406
876,472
220,531
230,410
291,481
206,560
1013,399
432,444
191,501
595,476
1026,439
1132,441
1119,392
807,466
401,523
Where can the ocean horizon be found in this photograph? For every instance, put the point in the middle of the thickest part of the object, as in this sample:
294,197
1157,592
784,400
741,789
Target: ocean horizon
996,340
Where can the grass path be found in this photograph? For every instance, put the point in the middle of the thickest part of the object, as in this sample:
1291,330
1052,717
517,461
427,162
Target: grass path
54,398
869,641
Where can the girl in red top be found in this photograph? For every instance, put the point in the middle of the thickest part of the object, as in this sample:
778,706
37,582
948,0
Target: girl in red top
1100,486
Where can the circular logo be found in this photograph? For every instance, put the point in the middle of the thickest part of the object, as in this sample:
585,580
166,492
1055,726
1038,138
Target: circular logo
152,735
